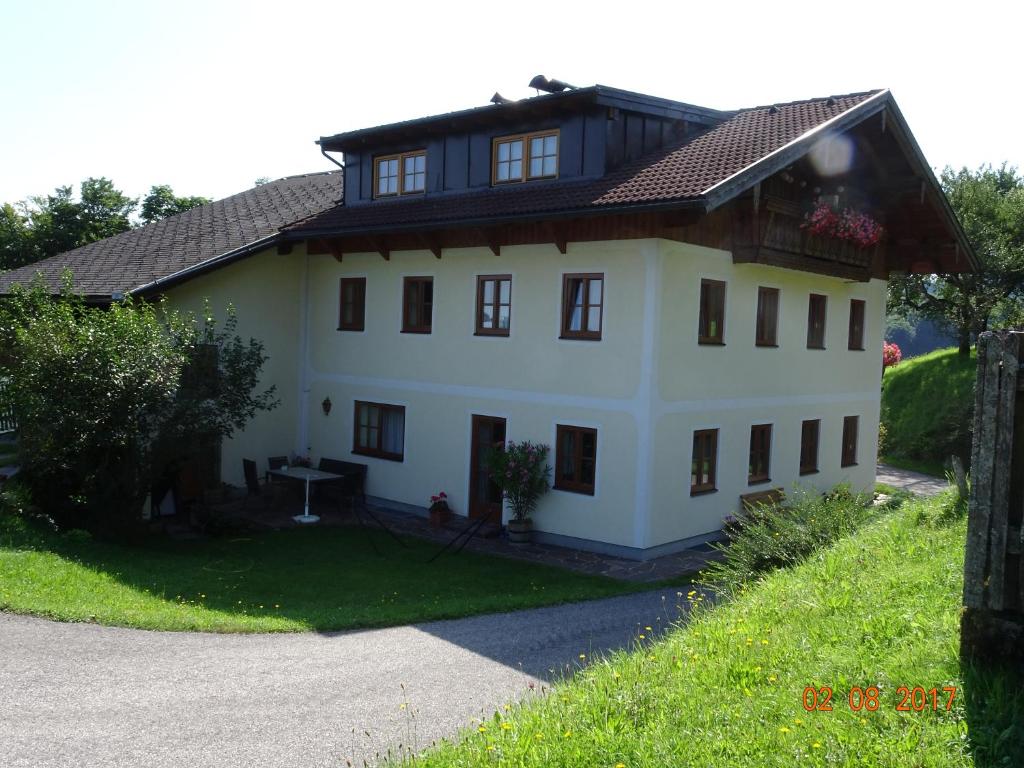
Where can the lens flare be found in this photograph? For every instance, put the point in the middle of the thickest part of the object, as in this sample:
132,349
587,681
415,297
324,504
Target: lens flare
832,155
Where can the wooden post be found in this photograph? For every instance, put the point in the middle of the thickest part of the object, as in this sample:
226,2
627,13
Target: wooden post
992,624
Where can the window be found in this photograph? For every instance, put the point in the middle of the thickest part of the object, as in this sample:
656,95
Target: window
850,441
352,306
575,459
402,174
582,304
711,327
493,305
809,446
705,456
856,324
759,469
816,321
417,304
379,431
525,157
766,333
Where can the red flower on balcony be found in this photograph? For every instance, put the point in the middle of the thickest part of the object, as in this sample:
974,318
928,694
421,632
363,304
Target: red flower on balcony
853,226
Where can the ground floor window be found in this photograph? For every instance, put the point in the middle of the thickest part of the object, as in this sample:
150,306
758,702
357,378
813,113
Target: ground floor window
703,464
575,459
759,467
809,446
379,430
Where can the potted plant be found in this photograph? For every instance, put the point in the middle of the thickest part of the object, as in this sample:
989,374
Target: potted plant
521,471
440,512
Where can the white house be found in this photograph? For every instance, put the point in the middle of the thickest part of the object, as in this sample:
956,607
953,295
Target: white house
629,279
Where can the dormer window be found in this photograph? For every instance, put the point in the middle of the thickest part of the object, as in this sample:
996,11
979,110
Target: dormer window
525,157
402,174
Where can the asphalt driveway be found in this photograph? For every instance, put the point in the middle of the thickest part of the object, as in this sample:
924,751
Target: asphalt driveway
79,694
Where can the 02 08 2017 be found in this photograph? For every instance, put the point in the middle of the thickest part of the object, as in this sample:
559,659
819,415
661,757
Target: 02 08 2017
908,698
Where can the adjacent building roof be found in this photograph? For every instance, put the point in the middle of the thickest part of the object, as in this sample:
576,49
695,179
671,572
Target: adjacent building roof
190,242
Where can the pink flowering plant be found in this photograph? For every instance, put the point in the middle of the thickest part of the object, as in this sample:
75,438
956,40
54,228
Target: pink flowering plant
850,225
521,471
891,354
439,502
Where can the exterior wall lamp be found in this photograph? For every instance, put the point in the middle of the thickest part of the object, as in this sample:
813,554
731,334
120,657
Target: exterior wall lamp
326,405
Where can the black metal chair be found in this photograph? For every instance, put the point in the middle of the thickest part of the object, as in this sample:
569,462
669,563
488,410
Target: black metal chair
267,494
275,462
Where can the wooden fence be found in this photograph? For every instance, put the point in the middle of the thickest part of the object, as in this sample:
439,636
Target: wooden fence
992,624
7,422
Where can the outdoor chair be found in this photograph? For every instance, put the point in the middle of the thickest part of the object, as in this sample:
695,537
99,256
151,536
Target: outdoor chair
275,462
352,486
267,494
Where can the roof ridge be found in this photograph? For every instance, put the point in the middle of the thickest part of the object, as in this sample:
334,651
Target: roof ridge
855,94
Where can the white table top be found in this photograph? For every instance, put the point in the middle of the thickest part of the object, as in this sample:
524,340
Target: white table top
305,473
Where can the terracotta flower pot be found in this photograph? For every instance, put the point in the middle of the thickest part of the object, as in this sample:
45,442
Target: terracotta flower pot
520,532
440,514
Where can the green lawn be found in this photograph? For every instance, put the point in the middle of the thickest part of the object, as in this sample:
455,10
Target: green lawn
315,578
927,407
879,608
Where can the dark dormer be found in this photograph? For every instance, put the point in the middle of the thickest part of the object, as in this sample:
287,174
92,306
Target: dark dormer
573,134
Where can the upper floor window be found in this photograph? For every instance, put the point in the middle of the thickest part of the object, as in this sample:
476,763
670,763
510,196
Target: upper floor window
816,321
856,324
352,311
582,306
575,459
525,157
766,333
850,441
493,305
401,174
417,304
711,326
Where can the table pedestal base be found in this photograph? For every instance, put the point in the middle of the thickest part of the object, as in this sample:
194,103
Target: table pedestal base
306,518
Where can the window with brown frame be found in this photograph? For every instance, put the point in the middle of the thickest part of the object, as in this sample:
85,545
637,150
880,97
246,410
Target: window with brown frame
417,304
766,332
759,468
575,459
379,430
582,306
352,304
711,325
850,440
704,461
816,307
856,324
493,305
809,431
525,157
401,174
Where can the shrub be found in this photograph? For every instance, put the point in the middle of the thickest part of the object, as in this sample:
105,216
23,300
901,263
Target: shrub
522,472
108,399
771,536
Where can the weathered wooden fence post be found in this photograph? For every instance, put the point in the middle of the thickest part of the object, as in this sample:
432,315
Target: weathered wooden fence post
992,624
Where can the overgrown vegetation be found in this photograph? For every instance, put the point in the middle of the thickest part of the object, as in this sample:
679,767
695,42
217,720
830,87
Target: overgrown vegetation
879,608
287,581
927,410
110,400
773,536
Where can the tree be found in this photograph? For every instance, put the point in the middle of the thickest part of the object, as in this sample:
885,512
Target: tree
60,223
990,205
161,202
106,399
16,245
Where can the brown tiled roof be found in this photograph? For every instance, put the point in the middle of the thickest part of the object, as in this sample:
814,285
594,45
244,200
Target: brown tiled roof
684,171
128,261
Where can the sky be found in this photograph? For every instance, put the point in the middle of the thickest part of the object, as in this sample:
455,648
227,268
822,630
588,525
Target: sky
209,96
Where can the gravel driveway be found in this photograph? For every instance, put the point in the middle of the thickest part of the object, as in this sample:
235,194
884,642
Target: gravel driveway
79,694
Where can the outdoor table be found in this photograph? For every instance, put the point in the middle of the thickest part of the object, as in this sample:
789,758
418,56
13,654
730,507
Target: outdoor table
309,475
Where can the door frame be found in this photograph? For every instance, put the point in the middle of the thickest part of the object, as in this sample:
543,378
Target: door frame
472,510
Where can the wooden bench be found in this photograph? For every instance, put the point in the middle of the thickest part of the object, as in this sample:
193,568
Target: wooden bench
353,484
749,501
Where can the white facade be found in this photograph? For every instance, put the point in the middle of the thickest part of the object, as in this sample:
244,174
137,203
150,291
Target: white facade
645,386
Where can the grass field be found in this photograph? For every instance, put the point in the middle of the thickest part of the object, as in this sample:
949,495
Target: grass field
927,405
302,579
878,610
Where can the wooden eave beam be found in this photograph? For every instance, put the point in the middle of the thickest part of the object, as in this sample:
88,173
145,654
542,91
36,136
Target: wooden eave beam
380,246
336,250
491,240
431,243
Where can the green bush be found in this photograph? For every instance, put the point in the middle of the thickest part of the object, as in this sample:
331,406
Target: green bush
928,407
107,399
772,536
